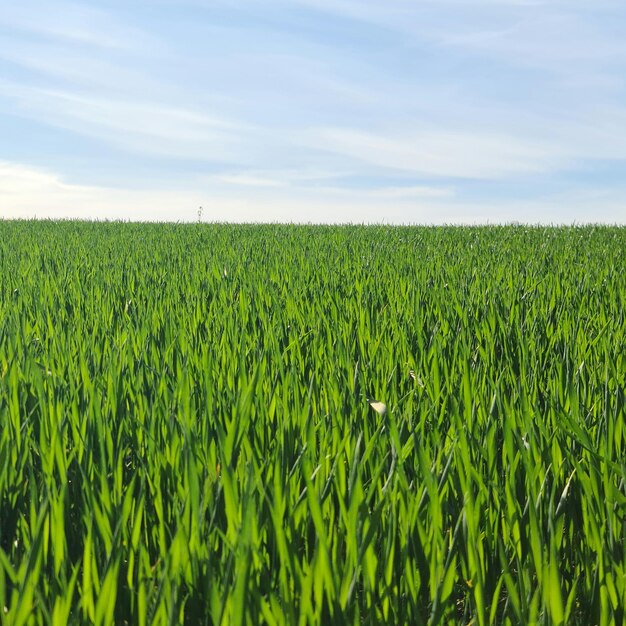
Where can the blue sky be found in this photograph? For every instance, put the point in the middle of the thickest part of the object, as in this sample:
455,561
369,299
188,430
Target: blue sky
431,111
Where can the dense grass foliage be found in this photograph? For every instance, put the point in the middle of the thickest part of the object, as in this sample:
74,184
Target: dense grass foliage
187,435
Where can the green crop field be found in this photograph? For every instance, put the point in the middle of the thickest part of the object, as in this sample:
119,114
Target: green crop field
212,424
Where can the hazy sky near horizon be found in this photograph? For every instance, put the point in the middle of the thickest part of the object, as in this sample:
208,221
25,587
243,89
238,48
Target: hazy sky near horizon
422,111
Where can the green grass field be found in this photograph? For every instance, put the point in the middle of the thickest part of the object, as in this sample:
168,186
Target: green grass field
211,424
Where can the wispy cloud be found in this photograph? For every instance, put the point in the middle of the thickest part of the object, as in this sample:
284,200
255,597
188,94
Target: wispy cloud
549,40
82,24
27,192
144,127
247,180
443,153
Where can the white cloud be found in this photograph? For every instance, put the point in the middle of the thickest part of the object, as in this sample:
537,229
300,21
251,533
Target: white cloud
75,23
139,126
544,40
442,153
27,192
394,194
246,180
